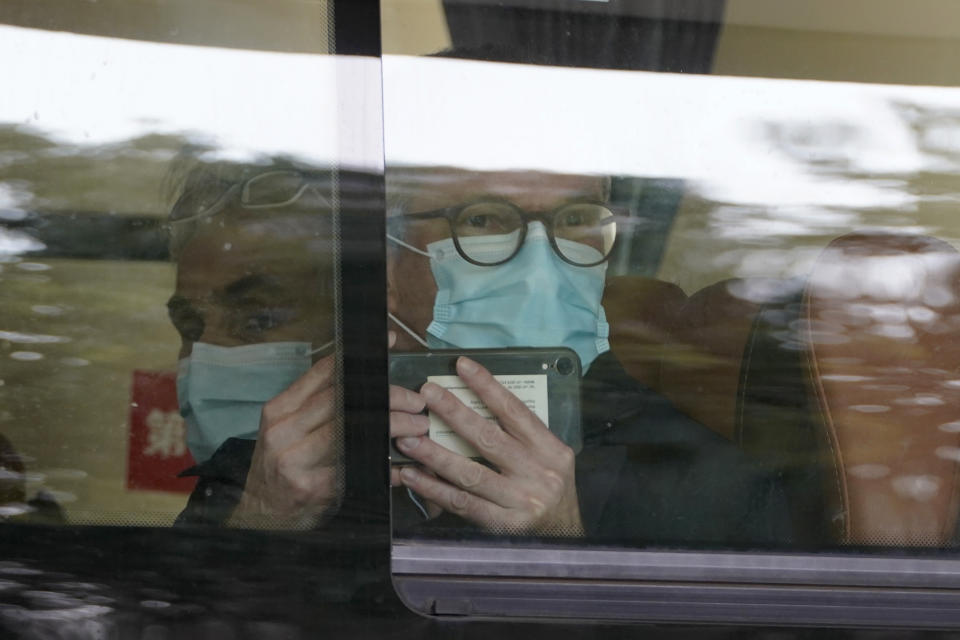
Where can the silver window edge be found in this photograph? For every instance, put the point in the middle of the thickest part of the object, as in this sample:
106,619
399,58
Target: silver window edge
483,581
820,569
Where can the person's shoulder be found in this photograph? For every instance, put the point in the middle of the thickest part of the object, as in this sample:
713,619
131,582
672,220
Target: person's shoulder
220,482
618,409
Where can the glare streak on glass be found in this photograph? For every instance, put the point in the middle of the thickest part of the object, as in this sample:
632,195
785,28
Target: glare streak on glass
767,184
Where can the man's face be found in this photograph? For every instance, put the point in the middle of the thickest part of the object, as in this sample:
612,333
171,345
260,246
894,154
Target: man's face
248,277
412,288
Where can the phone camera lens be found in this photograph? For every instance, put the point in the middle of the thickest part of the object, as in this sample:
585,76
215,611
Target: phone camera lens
564,366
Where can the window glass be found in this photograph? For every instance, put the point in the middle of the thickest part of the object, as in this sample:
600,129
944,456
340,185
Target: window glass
756,275
169,218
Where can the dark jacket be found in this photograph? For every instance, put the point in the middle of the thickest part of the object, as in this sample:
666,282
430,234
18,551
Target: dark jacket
647,474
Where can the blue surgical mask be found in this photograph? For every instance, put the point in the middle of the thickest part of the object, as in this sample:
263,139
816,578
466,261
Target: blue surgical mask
222,390
533,300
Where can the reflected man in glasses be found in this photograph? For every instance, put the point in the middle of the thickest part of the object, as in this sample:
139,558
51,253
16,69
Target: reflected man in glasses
254,306
518,259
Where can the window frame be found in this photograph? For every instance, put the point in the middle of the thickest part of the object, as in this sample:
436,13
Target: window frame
903,588
804,589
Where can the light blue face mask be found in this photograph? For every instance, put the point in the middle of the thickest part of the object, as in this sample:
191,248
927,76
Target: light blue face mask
222,390
533,300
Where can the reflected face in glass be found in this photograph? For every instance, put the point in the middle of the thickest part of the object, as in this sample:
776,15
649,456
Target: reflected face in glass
412,288
249,277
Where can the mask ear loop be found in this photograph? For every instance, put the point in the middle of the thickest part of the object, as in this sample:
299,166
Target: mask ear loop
416,501
323,347
406,245
408,330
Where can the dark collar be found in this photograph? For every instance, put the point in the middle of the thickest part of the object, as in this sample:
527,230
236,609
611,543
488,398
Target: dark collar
229,463
610,395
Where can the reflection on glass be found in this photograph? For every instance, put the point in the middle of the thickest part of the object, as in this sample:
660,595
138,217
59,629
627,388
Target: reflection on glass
255,309
89,130
776,315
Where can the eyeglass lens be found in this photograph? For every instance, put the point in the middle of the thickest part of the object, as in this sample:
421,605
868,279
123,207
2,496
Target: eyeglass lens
266,190
490,232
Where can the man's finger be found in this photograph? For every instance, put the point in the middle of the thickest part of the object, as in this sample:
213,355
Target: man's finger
453,499
492,442
403,399
318,411
460,471
317,449
513,415
408,424
317,378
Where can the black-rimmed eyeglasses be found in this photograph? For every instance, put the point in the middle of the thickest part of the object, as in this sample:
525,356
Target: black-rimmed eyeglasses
491,232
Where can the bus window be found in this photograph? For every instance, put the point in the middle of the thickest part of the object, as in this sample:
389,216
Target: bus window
179,186
650,315
170,267
503,232
756,276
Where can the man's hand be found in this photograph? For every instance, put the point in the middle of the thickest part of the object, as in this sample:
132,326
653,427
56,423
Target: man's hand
531,489
406,420
295,477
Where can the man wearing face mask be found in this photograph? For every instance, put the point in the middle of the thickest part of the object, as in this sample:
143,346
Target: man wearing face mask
518,259
257,380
